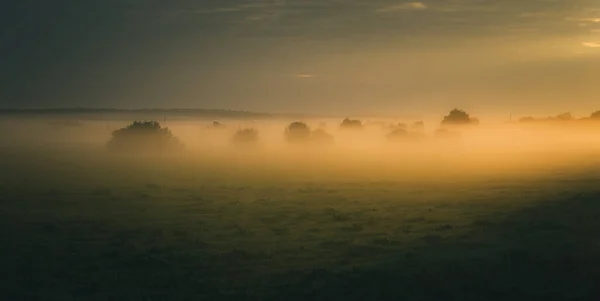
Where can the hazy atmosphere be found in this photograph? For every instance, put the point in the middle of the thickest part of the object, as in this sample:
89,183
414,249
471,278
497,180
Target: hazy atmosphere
300,150
330,56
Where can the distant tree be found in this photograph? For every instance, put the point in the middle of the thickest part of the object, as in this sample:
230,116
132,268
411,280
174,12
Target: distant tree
297,132
245,137
404,135
595,115
459,117
558,118
564,116
398,134
351,124
144,136
320,137
217,124
527,119
418,125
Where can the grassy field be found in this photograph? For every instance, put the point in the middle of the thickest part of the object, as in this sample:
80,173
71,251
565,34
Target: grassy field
81,224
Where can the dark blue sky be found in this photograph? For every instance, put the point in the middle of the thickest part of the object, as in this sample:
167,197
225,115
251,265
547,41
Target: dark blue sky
300,55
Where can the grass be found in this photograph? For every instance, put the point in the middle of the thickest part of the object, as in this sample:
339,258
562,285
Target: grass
80,226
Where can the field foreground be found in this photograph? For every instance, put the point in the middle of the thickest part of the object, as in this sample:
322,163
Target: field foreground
86,226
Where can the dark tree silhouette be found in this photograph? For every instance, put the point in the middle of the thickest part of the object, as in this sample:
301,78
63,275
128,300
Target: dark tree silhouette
320,137
398,134
404,135
351,124
297,132
558,118
595,115
217,125
459,117
245,137
144,136
527,119
564,117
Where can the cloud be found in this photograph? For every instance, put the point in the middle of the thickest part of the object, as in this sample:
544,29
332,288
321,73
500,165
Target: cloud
583,20
594,20
591,44
403,6
304,75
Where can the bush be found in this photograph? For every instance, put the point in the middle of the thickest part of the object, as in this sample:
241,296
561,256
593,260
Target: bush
459,117
245,137
351,124
297,132
144,136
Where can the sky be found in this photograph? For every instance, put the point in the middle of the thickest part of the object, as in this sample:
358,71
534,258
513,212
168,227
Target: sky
327,56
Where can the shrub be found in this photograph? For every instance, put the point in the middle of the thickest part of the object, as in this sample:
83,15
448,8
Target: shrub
297,132
351,124
245,137
459,117
144,136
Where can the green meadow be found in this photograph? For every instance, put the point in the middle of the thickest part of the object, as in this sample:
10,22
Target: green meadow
80,223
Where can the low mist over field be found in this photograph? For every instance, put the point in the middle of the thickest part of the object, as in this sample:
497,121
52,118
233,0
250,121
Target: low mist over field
276,207
292,207
268,150
375,143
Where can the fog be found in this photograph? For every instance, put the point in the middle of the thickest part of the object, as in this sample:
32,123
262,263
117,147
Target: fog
487,148
80,206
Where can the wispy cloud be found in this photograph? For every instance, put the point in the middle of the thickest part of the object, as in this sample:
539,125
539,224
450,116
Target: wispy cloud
591,44
238,8
304,75
593,20
402,6
583,20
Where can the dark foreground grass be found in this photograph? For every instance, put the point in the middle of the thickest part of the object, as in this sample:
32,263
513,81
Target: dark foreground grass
74,228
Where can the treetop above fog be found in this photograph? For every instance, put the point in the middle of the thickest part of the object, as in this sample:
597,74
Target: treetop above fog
351,123
459,117
146,136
